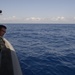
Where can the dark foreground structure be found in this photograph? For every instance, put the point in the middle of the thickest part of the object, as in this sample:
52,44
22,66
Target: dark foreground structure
6,67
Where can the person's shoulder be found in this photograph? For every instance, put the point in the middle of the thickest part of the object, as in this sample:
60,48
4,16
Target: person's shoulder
5,42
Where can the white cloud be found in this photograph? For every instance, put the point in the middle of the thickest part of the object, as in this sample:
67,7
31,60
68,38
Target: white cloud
13,18
74,18
33,18
58,19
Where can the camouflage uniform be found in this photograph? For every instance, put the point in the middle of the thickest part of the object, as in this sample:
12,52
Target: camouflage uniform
2,45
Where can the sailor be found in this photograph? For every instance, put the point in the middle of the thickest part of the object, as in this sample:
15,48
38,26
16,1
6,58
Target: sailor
2,42
2,32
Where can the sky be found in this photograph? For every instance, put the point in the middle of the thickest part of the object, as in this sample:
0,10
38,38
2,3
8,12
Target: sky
37,11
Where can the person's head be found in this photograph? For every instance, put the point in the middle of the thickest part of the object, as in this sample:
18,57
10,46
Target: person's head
2,30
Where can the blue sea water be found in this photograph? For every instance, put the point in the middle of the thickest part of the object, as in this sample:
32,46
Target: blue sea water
44,49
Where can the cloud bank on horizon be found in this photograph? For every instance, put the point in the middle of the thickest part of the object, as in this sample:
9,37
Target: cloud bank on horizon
59,19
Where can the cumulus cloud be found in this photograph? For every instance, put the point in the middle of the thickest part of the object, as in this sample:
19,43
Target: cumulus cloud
58,19
33,18
74,18
9,19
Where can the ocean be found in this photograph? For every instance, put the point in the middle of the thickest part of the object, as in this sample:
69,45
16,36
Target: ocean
44,49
